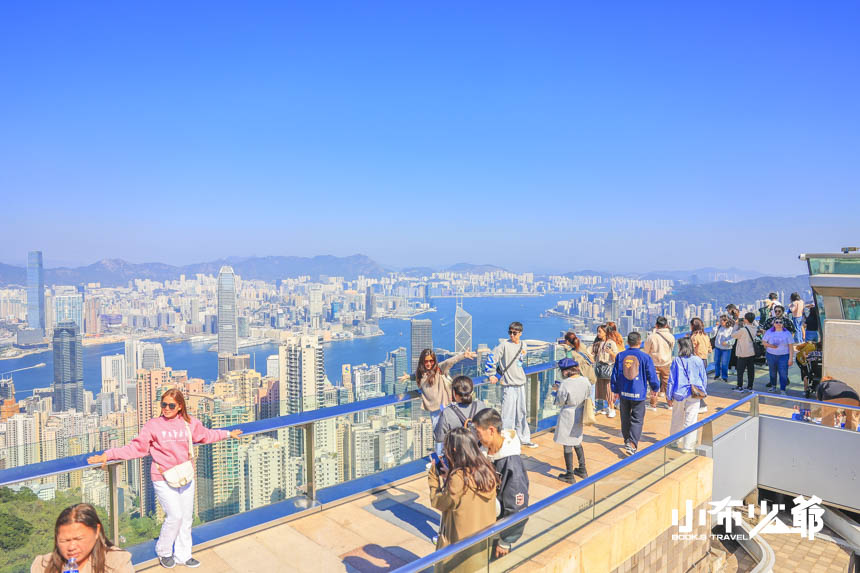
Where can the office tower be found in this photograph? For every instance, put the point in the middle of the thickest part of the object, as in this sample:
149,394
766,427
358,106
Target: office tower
244,330
92,310
301,371
272,366
388,379
462,329
7,388
611,310
422,338
113,374
346,376
369,303
69,307
35,292
131,359
194,312
228,342
315,306
68,386
233,362
401,361
151,355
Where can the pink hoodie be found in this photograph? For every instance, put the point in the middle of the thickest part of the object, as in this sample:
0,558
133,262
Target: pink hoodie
167,442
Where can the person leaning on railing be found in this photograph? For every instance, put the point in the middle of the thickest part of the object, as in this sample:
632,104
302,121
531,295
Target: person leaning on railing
434,383
604,351
838,392
168,439
80,538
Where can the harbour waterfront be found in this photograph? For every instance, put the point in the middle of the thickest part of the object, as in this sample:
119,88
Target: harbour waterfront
490,319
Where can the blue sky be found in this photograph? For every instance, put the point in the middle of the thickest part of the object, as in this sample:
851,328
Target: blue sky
536,136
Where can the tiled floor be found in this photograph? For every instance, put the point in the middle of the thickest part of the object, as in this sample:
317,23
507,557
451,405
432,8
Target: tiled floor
381,531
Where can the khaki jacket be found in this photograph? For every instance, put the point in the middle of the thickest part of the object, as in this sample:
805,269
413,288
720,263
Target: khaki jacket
659,345
465,512
701,345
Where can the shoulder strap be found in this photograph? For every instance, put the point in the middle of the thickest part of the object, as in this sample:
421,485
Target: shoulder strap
669,342
190,441
585,357
511,363
458,411
747,328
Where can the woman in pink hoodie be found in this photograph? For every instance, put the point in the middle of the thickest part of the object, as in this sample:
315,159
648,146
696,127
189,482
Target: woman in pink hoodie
167,439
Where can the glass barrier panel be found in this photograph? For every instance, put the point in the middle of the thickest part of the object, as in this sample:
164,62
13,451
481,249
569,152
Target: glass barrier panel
730,419
836,416
28,511
834,266
616,488
544,530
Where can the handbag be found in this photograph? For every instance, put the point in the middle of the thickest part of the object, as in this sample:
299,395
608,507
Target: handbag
588,418
758,347
603,369
181,475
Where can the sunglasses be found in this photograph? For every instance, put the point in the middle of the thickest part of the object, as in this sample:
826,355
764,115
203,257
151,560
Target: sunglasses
171,405
515,332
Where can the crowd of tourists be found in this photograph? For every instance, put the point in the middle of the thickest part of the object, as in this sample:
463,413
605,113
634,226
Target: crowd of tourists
477,475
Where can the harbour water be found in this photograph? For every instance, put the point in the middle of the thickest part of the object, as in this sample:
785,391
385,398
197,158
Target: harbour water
490,319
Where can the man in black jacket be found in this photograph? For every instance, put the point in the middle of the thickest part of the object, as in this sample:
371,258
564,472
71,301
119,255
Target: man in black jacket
503,448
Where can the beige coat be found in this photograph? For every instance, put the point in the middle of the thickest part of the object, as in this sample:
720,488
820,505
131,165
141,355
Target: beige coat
701,345
659,345
117,561
437,395
465,512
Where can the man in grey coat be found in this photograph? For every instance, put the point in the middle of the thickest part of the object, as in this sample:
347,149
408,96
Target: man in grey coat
571,394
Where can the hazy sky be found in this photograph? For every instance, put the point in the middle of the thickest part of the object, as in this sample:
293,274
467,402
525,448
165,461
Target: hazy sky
535,136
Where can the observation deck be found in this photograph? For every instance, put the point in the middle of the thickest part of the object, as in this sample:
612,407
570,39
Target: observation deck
377,516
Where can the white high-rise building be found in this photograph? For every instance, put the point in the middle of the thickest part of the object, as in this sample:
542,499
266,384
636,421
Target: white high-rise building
462,329
301,383
114,374
269,475
272,366
422,337
132,359
22,440
151,356
228,337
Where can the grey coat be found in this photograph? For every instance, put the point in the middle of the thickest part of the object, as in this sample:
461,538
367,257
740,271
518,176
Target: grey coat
571,396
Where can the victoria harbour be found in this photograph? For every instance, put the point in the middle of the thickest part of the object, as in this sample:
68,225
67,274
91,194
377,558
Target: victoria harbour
491,316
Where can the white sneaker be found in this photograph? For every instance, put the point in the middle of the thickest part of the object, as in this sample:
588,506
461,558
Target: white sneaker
652,408
610,414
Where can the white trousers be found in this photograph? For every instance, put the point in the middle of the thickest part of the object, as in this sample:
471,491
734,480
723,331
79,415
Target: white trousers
684,415
178,506
514,413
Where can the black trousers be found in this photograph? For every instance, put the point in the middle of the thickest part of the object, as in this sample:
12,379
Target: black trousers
746,364
632,416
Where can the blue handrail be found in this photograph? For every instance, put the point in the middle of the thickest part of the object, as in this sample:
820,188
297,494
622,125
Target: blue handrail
501,525
79,462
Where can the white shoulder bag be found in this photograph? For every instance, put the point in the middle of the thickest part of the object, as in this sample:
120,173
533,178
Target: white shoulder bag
182,474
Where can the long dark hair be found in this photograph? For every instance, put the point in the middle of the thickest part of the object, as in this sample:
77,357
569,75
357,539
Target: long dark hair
85,514
596,346
685,347
571,338
696,325
420,370
176,394
461,449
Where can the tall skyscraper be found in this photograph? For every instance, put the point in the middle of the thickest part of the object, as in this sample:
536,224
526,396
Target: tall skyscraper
69,307
462,329
369,303
132,359
35,292
422,337
401,361
113,374
228,340
151,355
68,386
301,371
611,310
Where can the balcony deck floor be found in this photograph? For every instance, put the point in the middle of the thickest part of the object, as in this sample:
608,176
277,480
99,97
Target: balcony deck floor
383,530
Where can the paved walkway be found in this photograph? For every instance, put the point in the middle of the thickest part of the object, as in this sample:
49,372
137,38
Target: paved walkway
384,530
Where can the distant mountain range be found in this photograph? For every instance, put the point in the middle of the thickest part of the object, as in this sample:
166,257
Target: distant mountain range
117,272
742,292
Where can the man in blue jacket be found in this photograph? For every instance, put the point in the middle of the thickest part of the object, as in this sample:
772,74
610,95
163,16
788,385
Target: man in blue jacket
632,374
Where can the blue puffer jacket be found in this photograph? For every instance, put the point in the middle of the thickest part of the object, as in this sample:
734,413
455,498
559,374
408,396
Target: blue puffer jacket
636,389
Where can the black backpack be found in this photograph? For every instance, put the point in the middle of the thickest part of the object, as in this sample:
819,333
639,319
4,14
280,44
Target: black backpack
467,422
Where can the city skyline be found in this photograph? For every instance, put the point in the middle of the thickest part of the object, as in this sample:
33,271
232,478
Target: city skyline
622,119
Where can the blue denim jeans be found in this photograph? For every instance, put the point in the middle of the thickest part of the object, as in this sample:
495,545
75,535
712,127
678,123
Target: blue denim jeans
811,336
721,362
434,419
798,328
778,364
